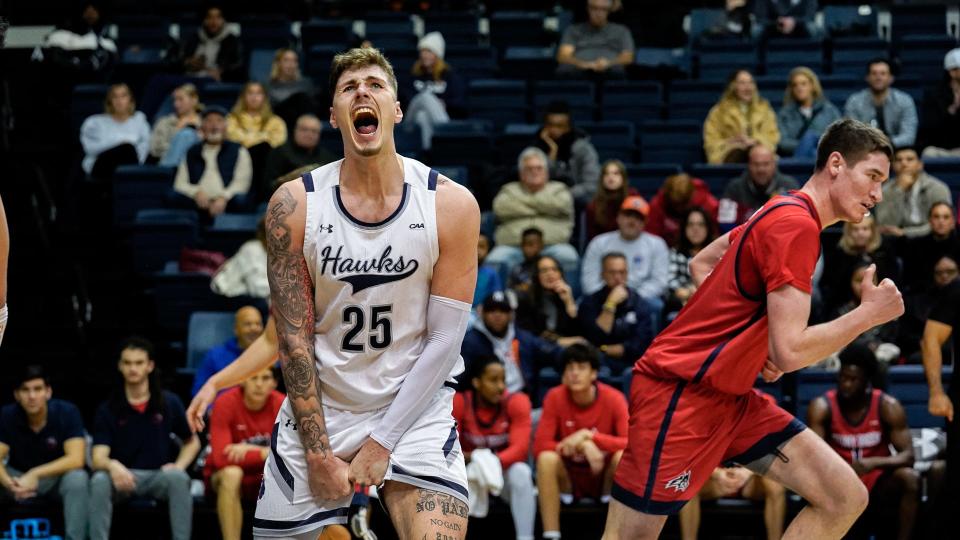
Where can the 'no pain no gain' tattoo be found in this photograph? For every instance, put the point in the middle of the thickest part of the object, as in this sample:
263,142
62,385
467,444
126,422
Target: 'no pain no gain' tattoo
430,501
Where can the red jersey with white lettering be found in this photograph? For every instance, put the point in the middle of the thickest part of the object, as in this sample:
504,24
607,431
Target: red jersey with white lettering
504,429
862,440
720,338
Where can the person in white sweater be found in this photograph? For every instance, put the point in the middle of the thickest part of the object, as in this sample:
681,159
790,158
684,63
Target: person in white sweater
647,254
121,135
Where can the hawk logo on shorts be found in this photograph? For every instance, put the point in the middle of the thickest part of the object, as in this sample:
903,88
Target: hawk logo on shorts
680,483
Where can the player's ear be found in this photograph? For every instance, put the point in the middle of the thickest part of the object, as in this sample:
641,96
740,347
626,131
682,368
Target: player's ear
333,120
398,112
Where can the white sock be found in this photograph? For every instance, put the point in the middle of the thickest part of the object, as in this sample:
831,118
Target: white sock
551,535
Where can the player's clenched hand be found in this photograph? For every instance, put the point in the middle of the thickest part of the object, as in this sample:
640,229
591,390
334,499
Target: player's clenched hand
770,371
327,477
940,405
370,464
199,405
883,302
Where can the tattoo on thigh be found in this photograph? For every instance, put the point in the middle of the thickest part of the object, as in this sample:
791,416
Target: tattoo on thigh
446,524
429,500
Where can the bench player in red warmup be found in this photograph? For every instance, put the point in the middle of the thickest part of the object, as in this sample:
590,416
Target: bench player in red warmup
691,405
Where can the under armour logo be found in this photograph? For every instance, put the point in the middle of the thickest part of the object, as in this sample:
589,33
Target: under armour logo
326,228
680,483
289,423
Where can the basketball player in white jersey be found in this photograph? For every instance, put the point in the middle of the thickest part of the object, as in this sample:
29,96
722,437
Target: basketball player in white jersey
372,266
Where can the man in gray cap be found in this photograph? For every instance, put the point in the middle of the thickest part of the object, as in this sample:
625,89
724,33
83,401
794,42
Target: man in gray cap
940,113
216,172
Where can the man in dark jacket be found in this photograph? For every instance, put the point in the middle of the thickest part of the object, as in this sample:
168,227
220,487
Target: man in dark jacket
749,191
522,353
300,150
214,51
573,158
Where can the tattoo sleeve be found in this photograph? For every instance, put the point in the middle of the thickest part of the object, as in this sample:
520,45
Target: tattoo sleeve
291,293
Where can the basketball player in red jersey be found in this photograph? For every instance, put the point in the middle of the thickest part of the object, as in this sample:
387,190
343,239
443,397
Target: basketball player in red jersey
860,423
691,405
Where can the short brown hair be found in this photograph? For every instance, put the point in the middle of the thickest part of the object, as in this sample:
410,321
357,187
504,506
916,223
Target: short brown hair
108,103
854,140
360,58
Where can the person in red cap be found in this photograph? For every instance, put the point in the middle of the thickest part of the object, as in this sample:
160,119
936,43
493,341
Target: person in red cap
647,255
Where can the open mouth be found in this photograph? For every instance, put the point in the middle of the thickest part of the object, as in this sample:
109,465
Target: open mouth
365,121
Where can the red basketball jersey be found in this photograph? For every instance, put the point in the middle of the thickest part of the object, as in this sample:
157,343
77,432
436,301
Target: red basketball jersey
720,337
865,439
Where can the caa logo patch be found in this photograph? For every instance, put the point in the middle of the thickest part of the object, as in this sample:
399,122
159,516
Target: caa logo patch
417,226
679,483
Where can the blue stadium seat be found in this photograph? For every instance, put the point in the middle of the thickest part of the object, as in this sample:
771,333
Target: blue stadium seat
514,139
691,100
220,93
811,384
921,56
841,21
782,55
317,61
663,57
799,169
647,178
577,94
518,28
499,100
138,187
946,169
265,32
458,29
229,232
703,19
206,330
146,31
612,139
720,58
473,61
460,175
388,24
717,176
909,385
918,20
466,126
633,101
408,139
851,54
87,100
159,235
331,139
677,141
333,32
838,87
529,62
771,88
261,61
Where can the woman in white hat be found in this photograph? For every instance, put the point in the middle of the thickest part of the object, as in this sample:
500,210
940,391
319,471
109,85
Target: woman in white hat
940,112
437,90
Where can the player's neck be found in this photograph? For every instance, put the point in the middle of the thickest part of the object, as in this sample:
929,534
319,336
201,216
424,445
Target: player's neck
137,393
373,176
584,398
854,406
817,189
254,405
37,421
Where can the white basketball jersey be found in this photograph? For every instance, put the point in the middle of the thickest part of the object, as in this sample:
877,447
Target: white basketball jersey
371,287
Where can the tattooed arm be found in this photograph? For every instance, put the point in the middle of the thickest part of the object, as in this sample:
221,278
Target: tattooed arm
291,292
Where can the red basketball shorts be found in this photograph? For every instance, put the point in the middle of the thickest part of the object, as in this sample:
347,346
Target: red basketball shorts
679,432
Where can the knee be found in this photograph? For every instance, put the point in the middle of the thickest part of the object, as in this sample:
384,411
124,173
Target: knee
615,459
100,482
908,479
519,474
230,478
175,476
773,490
548,462
854,499
75,481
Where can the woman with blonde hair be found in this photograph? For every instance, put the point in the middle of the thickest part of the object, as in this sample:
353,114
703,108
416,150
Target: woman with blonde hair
176,132
291,94
252,123
741,119
861,243
601,211
805,114
118,136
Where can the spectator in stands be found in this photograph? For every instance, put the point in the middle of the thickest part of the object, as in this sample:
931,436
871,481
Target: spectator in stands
943,325
601,211
437,91
888,109
42,447
860,243
919,304
247,326
580,438
175,133
740,483
699,229
534,201
616,319
289,92
862,423
119,136
741,119
215,172
805,114
679,193
531,244
573,159
785,19
214,51
647,254
497,421
495,334
596,48
549,309
752,189
252,123
241,422
908,198
245,273
919,254
133,439
488,280
940,112
300,150
79,48
734,23
879,339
